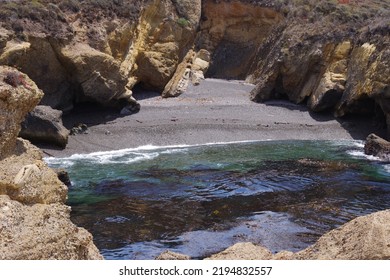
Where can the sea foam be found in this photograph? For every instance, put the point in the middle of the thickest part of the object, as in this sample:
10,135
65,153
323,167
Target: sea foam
130,155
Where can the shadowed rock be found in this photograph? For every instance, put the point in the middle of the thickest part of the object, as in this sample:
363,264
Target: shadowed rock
44,125
377,146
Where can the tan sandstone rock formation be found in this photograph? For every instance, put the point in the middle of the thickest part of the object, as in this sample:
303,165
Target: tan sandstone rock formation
18,96
39,61
98,51
34,222
243,251
42,231
321,56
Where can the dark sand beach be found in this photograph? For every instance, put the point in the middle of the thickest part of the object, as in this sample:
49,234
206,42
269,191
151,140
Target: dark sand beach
214,111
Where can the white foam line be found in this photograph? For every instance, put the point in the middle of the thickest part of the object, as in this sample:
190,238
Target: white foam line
363,155
146,148
349,143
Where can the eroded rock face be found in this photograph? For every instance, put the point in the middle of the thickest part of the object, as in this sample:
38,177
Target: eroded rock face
41,231
330,62
331,86
232,31
191,70
26,178
101,50
163,40
97,73
364,238
39,61
34,222
18,96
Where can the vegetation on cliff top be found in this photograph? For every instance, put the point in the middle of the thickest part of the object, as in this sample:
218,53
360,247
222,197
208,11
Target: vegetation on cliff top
53,16
341,11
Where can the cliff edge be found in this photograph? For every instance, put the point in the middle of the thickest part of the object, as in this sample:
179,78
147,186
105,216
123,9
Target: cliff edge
34,220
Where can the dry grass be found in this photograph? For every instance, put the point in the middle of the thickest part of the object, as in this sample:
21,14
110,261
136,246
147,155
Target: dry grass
52,16
338,11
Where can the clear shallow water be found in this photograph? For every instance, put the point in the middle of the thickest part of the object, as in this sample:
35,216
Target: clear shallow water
198,200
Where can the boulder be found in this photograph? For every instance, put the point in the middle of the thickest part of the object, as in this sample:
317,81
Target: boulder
364,238
168,255
243,251
44,125
98,74
377,146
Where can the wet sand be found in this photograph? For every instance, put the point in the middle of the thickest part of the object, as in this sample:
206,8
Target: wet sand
214,111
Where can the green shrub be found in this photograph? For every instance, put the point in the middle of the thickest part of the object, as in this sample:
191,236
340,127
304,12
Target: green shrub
183,22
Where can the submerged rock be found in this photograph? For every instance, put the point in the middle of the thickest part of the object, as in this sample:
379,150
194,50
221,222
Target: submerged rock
44,125
168,255
377,146
364,238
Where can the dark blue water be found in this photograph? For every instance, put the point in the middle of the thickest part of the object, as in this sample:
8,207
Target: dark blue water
199,200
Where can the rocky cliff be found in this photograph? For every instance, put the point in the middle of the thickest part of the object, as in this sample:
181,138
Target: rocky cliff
333,56
34,220
330,54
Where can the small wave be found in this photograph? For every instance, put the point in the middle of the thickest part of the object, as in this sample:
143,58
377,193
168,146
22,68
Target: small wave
361,154
105,158
348,143
65,163
131,155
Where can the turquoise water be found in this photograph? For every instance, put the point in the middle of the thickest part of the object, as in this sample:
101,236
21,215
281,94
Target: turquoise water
198,200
